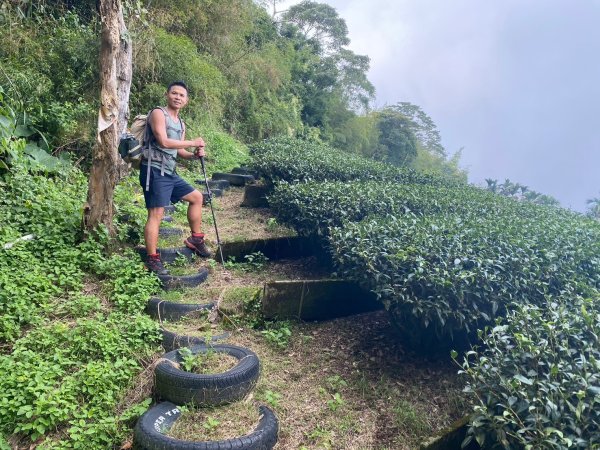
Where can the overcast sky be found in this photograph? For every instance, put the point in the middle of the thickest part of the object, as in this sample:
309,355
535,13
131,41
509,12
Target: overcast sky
514,82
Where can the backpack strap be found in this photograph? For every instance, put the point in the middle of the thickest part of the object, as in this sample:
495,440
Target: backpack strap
147,150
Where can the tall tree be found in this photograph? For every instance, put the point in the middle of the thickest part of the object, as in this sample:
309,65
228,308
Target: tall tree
319,24
115,79
397,142
330,80
423,127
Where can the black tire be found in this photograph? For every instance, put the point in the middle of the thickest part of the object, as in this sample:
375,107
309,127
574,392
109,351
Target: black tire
170,208
215,193
215,184
167,219
172,341
234,179
170,232
181,387
245,171
171,311
149,432
168,255
170,282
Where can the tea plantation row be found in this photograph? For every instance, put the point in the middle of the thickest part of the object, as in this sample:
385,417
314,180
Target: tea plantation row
447,260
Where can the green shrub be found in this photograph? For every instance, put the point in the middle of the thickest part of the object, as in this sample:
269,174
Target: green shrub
442,276
69,357
313,207
49,74
292,160
536,381
223,152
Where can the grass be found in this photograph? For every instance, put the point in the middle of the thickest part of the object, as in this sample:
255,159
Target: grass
209,362
347,384
226,422
344,384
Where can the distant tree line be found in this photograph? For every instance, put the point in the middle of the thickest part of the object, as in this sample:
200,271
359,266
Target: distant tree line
519,191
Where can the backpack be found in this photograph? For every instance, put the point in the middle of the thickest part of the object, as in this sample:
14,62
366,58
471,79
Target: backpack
134,146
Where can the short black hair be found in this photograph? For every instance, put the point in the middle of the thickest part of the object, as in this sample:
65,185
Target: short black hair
178,83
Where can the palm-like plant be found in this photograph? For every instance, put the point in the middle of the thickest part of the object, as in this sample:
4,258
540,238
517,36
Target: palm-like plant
594,207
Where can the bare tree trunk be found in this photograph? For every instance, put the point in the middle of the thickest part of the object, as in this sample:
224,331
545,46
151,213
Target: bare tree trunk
115,77
124,74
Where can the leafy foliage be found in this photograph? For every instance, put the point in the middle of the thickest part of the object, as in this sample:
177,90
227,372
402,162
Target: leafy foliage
444,258
537,379
444,275
69,356
520,192
49,69
397,142
295,160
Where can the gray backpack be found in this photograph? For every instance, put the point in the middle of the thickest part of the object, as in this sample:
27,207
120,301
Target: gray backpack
134,146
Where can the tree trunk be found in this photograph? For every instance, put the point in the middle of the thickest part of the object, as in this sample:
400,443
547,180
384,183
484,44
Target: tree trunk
115,78
124,74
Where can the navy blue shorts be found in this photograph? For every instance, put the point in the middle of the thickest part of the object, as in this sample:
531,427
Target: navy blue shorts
164,189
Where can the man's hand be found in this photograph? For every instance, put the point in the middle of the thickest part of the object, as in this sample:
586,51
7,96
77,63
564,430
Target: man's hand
199,152
198,142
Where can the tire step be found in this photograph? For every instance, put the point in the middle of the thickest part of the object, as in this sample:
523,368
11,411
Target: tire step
173,384
161,310
151,428
172,341
234,179
171,282
215,184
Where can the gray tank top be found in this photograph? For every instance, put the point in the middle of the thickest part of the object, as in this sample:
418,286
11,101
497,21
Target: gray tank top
174,131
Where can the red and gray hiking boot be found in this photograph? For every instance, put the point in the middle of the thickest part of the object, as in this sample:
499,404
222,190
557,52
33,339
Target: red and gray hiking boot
154,264
196,243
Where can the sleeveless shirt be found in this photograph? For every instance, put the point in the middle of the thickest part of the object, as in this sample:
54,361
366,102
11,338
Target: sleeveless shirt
174,131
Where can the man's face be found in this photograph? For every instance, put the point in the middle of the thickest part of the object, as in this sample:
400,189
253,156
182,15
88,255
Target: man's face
177,97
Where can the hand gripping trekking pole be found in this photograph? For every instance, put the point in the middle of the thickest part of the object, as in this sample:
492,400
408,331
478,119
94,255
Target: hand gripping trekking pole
209,194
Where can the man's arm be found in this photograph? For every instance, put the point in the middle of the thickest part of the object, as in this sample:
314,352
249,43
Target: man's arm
158,123
183,153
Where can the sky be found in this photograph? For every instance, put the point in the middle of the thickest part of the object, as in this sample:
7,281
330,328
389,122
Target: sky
514,83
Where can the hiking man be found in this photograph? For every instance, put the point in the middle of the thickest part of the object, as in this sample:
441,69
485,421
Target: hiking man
167,140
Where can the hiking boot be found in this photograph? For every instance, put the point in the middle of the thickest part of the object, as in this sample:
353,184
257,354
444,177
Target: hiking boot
197,244
155,265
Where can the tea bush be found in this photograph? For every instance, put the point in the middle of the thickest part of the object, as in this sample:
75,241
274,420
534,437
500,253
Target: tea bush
313,207
445,259
444,275
293,160
536,380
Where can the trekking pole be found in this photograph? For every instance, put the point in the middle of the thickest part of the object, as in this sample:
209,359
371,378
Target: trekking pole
212,210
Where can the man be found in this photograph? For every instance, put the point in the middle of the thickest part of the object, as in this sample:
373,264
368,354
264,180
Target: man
167,142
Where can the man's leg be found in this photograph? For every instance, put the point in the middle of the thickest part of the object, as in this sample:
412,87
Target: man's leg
155,216
194,215
194,212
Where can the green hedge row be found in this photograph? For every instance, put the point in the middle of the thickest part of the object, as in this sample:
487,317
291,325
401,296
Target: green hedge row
443,276
293,160
314,207
449,260
445,260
